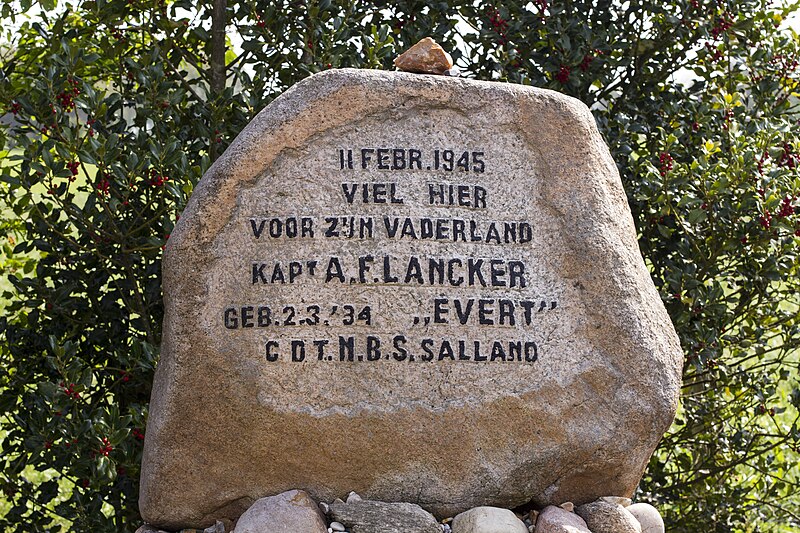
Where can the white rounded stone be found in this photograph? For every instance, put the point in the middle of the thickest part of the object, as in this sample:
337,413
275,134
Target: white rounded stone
648,516
488,520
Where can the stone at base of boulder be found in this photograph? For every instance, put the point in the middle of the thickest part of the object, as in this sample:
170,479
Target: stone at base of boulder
625,502
488,520
604,517
648,516
288,512
365,516
295,511
220,526
559,520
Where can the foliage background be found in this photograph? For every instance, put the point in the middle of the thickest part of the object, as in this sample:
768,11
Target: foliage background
115,108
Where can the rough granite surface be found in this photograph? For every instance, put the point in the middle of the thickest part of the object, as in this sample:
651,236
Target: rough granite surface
576,419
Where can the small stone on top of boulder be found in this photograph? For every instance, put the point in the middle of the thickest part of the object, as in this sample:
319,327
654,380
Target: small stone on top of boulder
425,57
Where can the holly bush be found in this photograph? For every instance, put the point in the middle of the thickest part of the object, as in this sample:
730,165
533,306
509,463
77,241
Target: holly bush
113,109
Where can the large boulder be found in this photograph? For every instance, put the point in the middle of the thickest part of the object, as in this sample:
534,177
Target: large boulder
421,288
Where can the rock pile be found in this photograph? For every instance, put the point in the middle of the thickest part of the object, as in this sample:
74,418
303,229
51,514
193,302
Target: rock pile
295,511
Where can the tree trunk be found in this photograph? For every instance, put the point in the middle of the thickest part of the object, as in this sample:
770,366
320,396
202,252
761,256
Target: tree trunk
218,21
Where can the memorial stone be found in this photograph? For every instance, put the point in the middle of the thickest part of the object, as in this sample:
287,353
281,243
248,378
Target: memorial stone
424,289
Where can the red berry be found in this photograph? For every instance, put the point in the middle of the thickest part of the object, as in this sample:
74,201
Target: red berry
103,187
563,74
765,220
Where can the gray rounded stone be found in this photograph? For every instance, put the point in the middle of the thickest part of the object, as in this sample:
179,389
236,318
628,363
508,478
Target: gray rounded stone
605,517
366,516
575,418
289,512
558,520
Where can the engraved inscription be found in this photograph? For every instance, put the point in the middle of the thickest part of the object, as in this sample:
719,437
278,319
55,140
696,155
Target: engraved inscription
487,297
411,159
